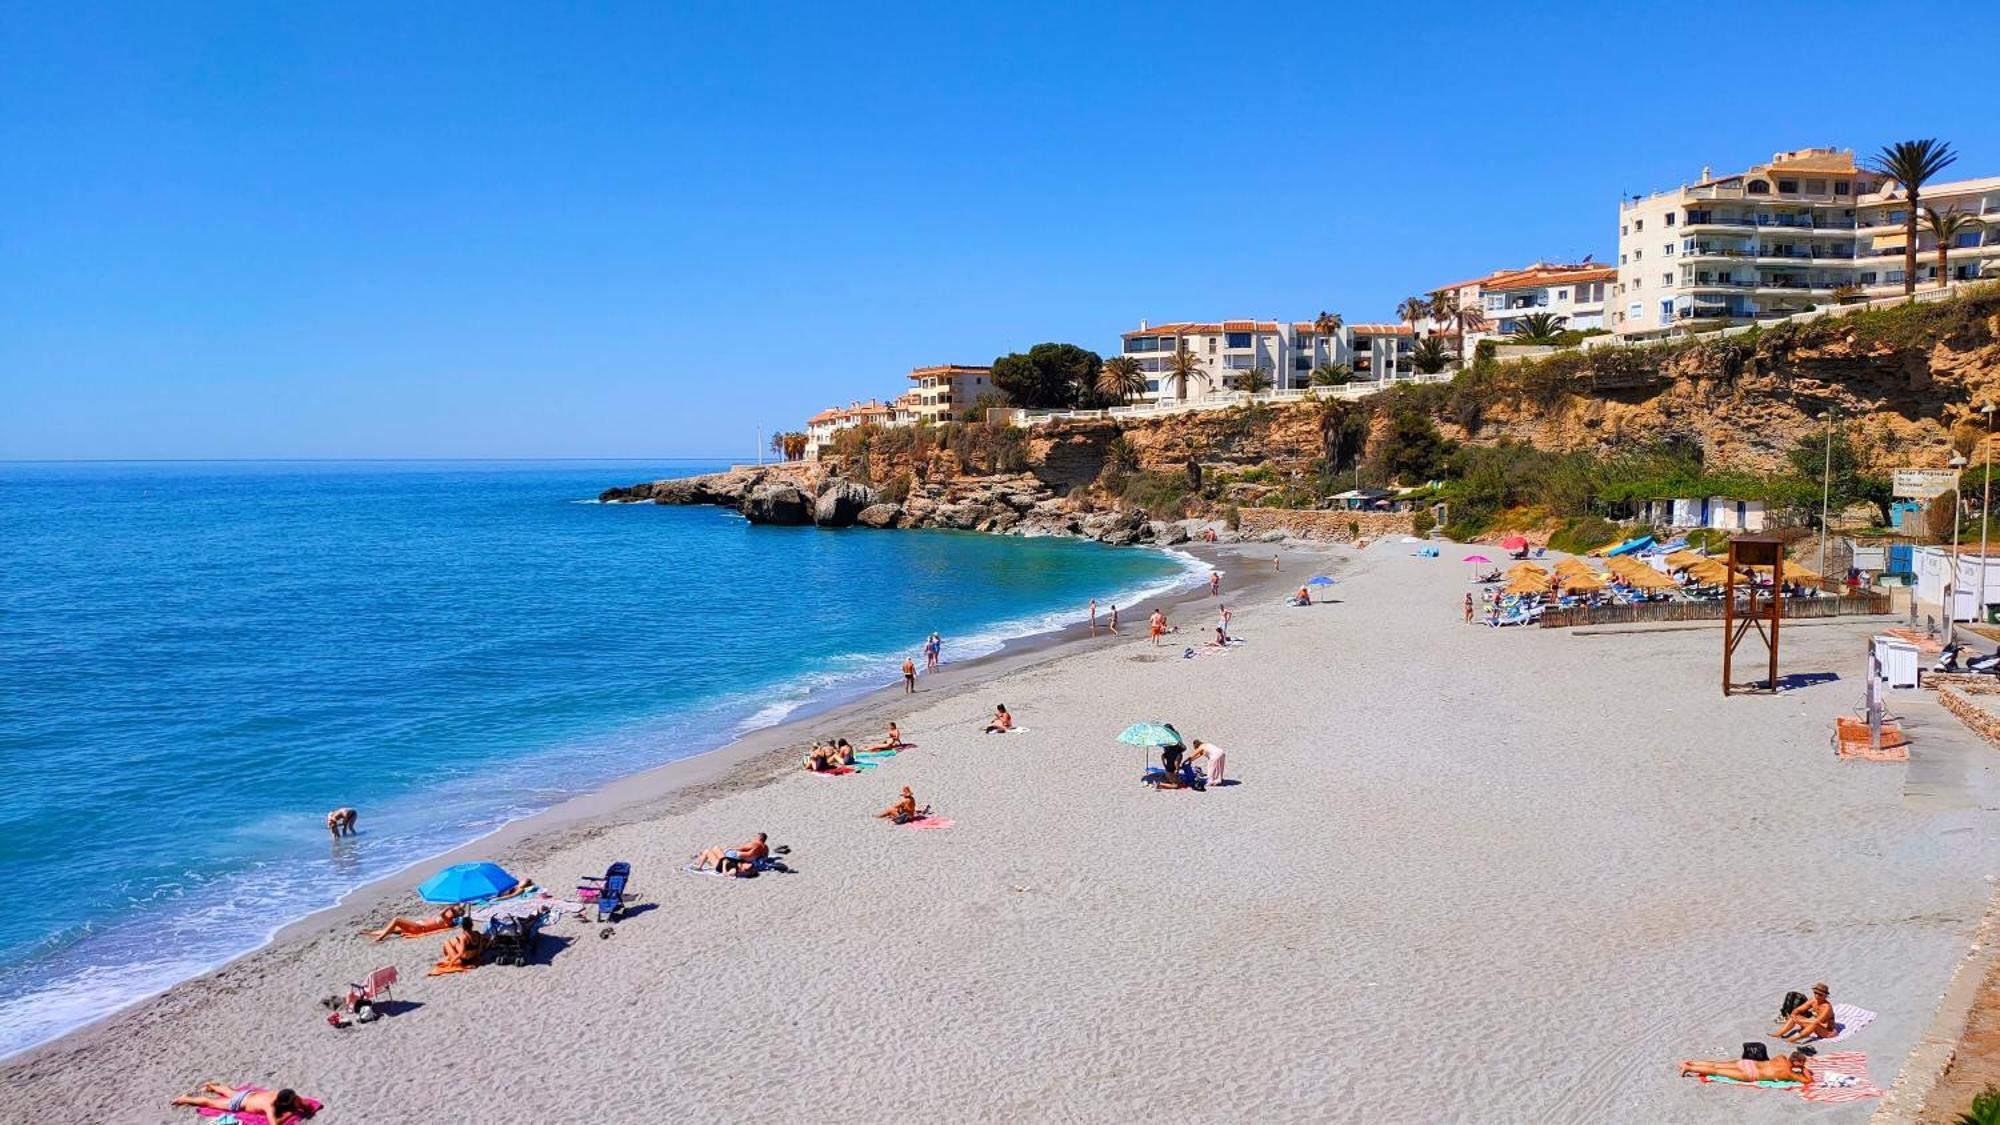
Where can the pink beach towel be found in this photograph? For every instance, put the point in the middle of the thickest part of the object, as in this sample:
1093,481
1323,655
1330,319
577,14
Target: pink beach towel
1840,1076
929,823
254,1118
837,771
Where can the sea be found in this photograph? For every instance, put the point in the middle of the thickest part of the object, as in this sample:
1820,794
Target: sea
199,660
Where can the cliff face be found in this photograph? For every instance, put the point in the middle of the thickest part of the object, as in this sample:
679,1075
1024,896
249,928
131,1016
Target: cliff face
1905,381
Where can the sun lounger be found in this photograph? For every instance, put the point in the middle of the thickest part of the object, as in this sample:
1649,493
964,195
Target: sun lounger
610,888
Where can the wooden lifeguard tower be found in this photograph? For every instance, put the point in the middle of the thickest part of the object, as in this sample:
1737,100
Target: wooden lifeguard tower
1763,614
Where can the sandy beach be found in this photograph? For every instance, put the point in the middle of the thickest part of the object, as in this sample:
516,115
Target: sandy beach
1468,874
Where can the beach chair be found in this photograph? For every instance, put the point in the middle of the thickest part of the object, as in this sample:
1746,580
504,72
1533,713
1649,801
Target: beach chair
378,984
610,890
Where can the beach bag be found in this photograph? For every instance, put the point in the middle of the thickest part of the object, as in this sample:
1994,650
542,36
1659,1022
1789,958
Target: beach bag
1792,1001
1755,1052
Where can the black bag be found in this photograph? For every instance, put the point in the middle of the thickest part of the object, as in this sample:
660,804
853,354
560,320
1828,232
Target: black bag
1755,1052
1792,1001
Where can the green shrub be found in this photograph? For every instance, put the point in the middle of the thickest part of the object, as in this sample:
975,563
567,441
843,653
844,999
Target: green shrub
1583,534
1421,522
1467,526
1985,1108
1163,495
1709,539
1232,517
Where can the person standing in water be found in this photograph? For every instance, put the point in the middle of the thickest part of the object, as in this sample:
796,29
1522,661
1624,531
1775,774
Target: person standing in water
340,822
1114,618
909,676
1093,617
933,652
1214,583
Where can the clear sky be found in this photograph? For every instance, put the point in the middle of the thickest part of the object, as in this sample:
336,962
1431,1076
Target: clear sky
539,230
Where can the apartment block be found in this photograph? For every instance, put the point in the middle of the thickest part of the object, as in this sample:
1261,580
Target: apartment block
1577,292
1803,230
944,391
1287,350
821,427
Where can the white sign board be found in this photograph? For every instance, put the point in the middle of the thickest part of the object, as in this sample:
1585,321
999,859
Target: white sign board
1924,484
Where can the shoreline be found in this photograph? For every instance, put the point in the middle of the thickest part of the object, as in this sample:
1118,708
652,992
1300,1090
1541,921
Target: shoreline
725,768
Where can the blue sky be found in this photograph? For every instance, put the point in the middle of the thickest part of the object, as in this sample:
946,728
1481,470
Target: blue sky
262,230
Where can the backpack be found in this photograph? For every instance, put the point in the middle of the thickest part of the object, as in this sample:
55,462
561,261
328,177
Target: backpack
1791,1002
1755,1052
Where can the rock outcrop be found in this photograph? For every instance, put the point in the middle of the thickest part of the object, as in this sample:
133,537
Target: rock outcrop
782,504
841,502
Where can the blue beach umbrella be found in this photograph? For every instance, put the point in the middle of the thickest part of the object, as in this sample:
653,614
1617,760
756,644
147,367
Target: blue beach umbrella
1319,580
465,882
1148,734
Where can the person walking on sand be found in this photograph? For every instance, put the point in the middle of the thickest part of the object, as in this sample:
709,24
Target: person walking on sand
1214,583
1114,619
340,822
909,676
1468,607
1157,625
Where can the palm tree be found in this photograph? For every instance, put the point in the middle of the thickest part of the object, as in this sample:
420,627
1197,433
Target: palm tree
1459,316
778,444
1184,365
1412,311
1326,323
1121,378
1256,380
1538,328
1912,164
1430,355
1332,375
1946,228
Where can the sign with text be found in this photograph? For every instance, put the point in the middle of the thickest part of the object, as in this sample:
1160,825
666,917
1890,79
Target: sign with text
1924,484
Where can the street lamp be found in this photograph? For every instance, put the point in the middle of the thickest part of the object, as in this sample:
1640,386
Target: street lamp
1825,486
1957,464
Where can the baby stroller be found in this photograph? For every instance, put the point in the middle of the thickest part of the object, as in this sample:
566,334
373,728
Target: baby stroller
513,939
608,890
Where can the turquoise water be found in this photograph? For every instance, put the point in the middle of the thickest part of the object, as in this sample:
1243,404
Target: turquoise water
200,660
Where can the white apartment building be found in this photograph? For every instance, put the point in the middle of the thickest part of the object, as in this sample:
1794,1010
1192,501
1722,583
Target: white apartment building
1782,237
946,390
1577,292
1287,350
1380,352
821,427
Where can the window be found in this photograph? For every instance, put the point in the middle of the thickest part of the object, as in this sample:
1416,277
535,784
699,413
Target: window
1638,254
1624,229
1635,310
1638,283
1666,279
1868,277
1152,386
1759,187
1238,340
1670,218
1667,251
1562,294
1622,259
1841,187
1211,345
1815,187
1638,225
1788,187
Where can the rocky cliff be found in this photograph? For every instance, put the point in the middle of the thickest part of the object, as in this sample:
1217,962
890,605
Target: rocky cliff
1908,379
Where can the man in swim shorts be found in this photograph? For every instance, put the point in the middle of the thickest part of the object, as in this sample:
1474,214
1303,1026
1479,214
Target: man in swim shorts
340,822
909,676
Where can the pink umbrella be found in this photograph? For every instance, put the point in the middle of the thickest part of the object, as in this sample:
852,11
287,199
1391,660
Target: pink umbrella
1477,559
1513,543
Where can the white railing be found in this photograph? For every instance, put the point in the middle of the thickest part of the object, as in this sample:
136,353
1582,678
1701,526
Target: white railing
1216,400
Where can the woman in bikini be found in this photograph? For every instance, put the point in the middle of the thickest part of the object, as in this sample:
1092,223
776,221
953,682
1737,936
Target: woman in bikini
462,950
1789,1068
903,811
1002,721
276,1106
820,758
444,920
890,742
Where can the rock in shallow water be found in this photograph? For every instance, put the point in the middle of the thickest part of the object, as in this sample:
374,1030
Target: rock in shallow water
880,515
778,504
841,502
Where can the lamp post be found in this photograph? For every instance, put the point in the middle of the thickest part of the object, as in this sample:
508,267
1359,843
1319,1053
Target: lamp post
1985,511
1825,487
1957,463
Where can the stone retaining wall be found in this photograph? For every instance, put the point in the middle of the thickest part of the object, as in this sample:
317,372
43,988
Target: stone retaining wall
1983,722
1335,527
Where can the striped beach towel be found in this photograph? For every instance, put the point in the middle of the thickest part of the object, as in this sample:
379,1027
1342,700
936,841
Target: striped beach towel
1840,1076
1849,1018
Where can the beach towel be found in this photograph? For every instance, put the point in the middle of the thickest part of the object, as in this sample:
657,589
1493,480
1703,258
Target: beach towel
254,1118
837,771
928,823
1840,1076
1849,1018
874,755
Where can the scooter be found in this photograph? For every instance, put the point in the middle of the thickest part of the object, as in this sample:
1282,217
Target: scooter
1948,662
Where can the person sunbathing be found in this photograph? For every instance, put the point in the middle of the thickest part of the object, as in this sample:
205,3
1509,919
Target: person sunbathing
407,927
903,811
891,741
1810,1020
843,752
730,860
275,1106
1002,722
462,950
820,758
1789,1068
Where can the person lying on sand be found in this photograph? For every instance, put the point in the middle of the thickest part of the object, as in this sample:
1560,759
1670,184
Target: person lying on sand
1810,1020
340,822
276,1106
891,741
1790,1068
462,950
1002,722
731,861
405,927
903,811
